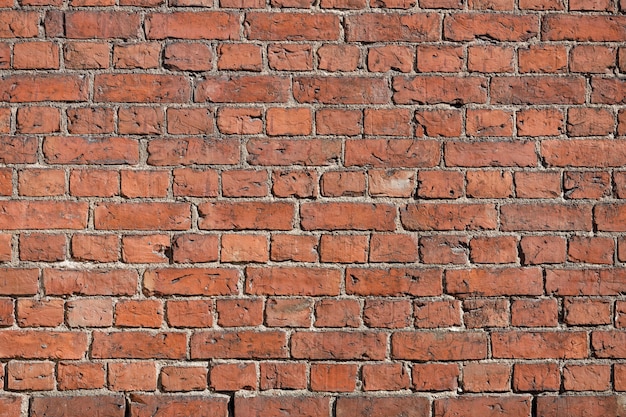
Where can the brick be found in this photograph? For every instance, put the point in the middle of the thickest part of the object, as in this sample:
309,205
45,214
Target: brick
603,153
294,248
41,182
491,5
31,215
541,5
391,183
437,314
587,377
338,345
337,313
338,122
289,121
444,249
183,378
535,313
135,376
583,28
90,120
344,90
19,24
301,184
539,345
283,281
392,153
490,58
609,217
290,57
80,375
439,58
84,151
374,27
142,216
436,89
137,184
141,88
288,312
578,406
140,120
187,57
484,405
309,152
136,55
138,345
276,406
586,312
239,57
390,58
584,281
19,88
244,248
242,89
438,123
291,26
6,247
492,282
246,121
387,122
590,122
592,59
18,149
40,313
22,376
32,344
139,313
393,248
90,282
36,55
389,314
338,57
486,377
499,27
538,90
246,215
89,313
142,405
42,247
190,281
192,182
537,184
489,184
495,154
492,122
595,250
393,406
244,183
239,344
333,377
240,312
540,122
283,375
543,59
433,346
192,25
194,248
73,406
189,313
233,377
478,314
439,216
102,24
86,55
343,184
529,377
94,182
98,248
394,282
385,377
435,376
545,216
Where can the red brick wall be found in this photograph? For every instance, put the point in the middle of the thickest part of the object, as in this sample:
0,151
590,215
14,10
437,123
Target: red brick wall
383,208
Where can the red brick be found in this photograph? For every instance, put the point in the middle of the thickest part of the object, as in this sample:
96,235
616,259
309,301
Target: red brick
244,183
240,312
239,57
290,152
15,215
586,312
390,58
89,313
391,183
536,377
490,58
435,89
277,406
347,216
187,57
385,377
435,377
492,282
288,312
292,281
292,26
138,345
142,216
190,281
494,154
585,281
390,314
333,377
38,120
190,313
438,313
187,378
546,216
193,248
90,120
42,247
538,90
480,314
246,215
101,151
234,121
592,59
338,57
537,184
338,345
392,153
102,24
391,27
483,406
343,184
41,182
489,184
134,376
587,377
439,216
493,249
51,87
90,282
290,57
436,123
540,122
388,122
192,25
142,405
32,344
140,120
98,248
596,250
393,248
106,405
338,122
283,375
535,313
195,182
233,377
136,55
6,247
144,183
539,345
492,122
409,406
80,375
583,153
337,313
541,5
486,377
240,344
394,282
86,55
583,28
579,406
590,122
301,184
139,313
40,313
289,121
444,249
491,4
141,88
500,27
344,90
22,376
543,58
439,58
294,248
436,346
244,248
18,24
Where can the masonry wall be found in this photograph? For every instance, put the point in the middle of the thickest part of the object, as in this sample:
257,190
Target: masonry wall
245,208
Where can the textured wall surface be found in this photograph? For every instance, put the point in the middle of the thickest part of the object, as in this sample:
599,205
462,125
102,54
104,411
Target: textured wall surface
253,208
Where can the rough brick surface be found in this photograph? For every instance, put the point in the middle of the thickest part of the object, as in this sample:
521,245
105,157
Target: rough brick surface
334,208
